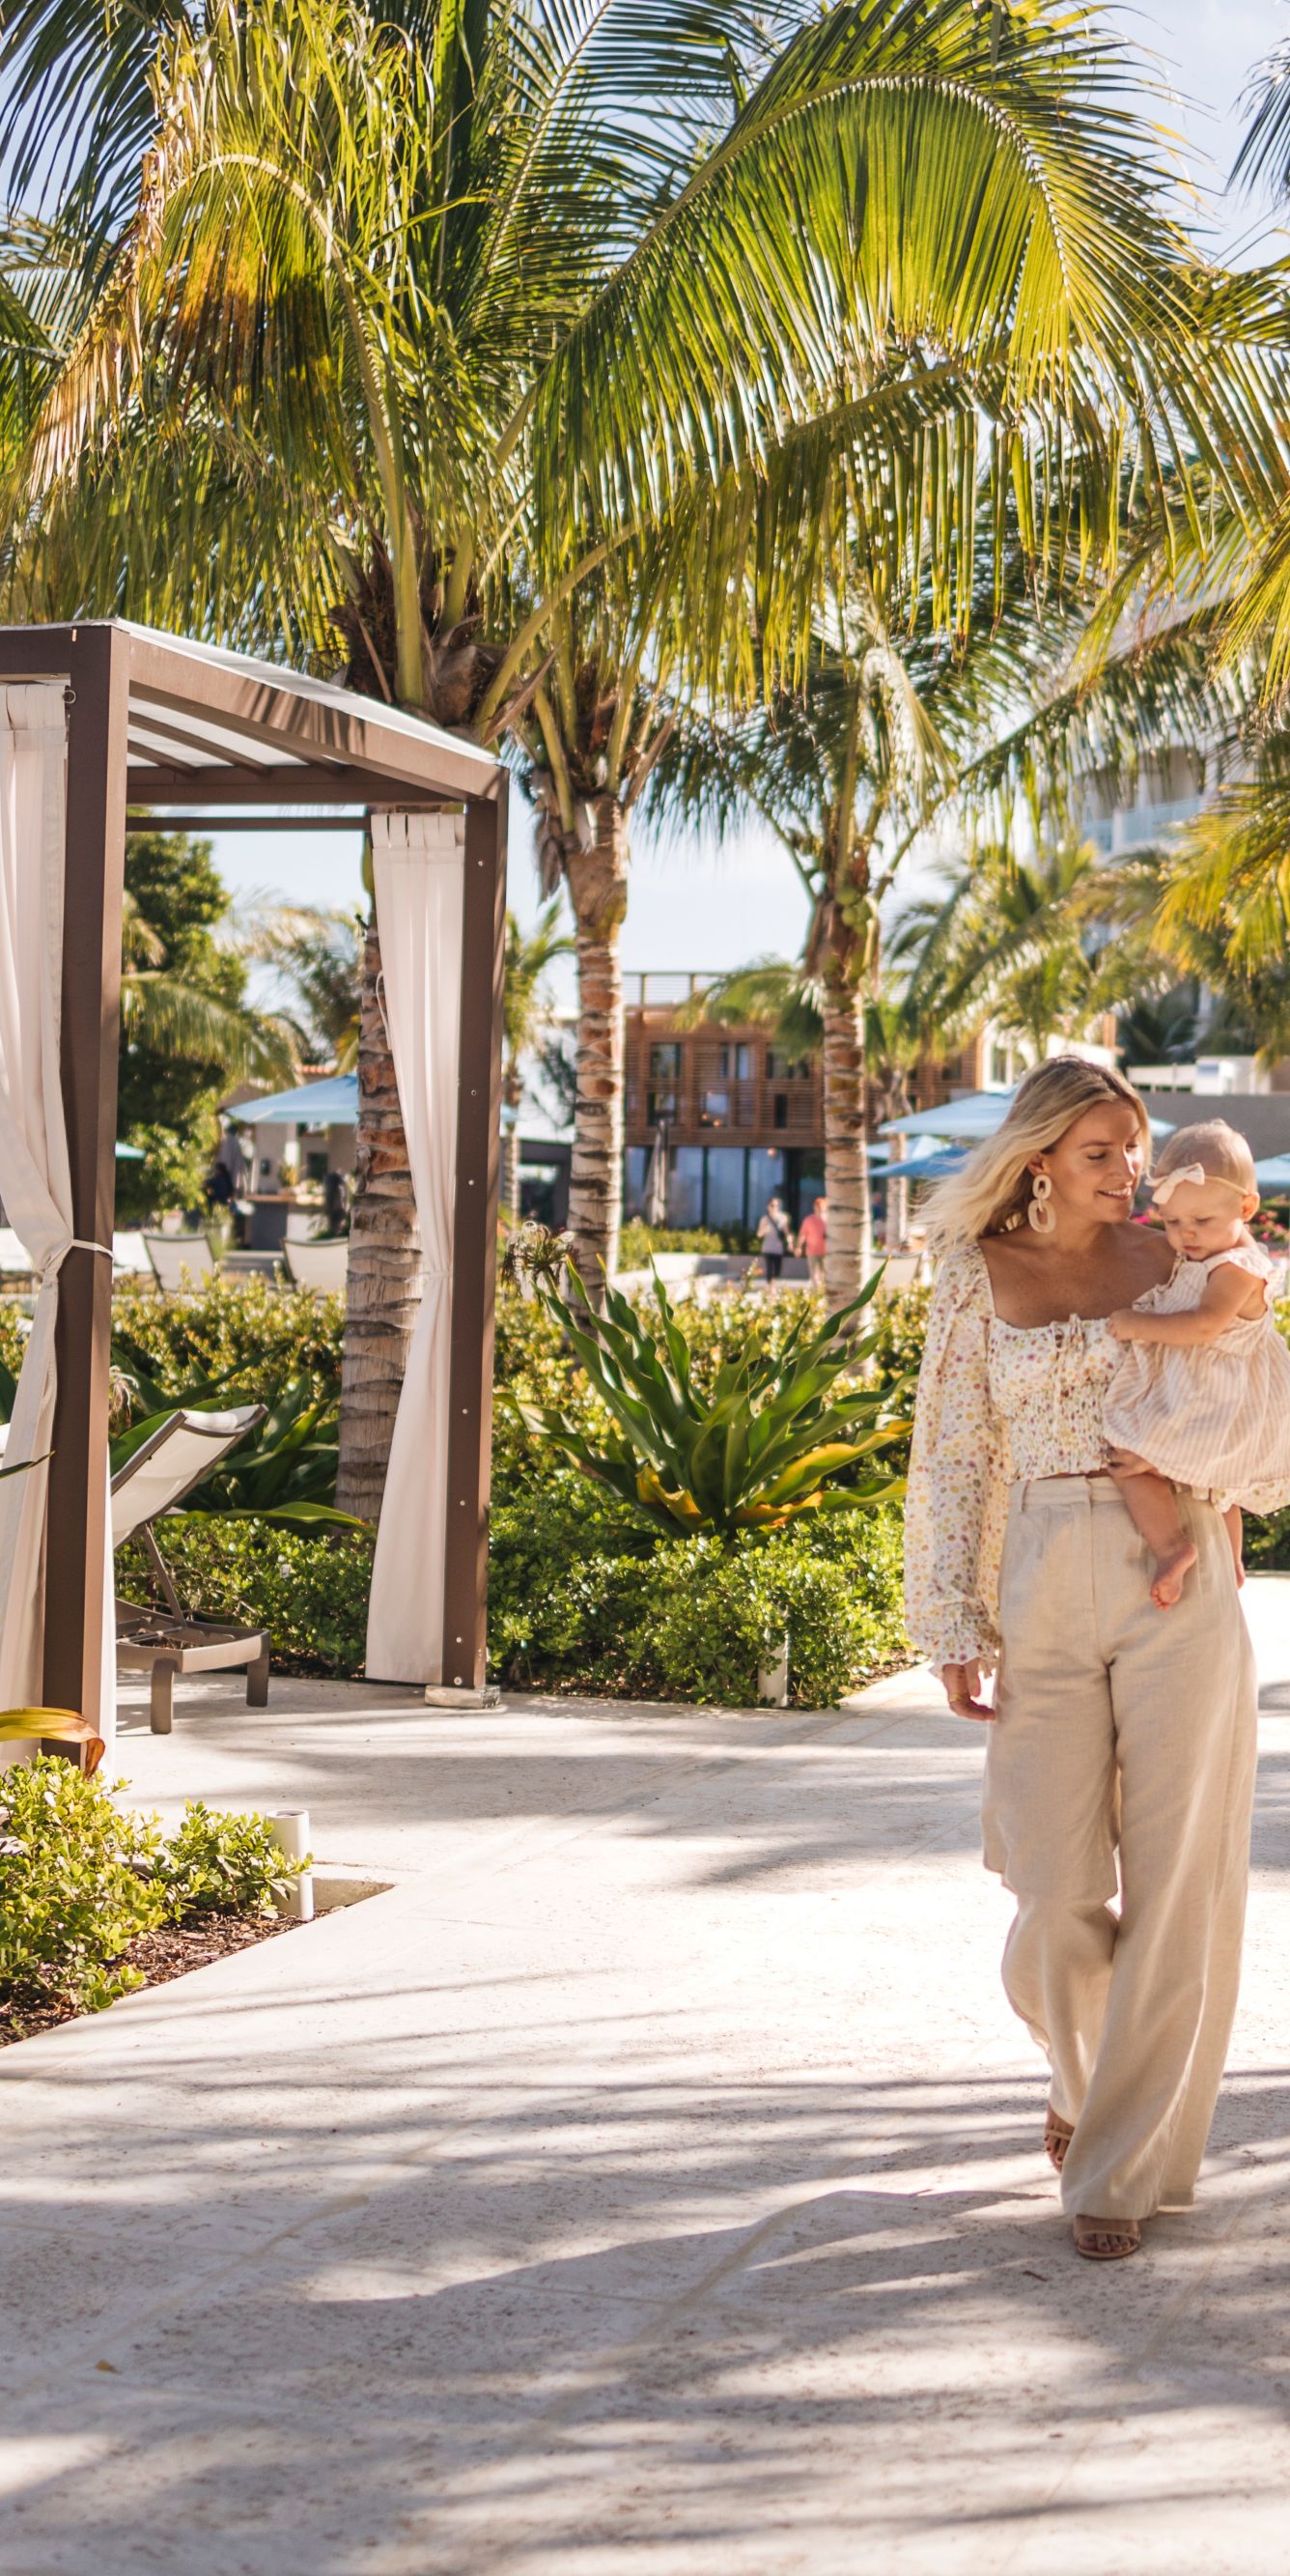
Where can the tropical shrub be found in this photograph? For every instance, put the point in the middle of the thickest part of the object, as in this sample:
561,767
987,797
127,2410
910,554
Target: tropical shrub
77,1884
583,1598
81,1878
217,1863
765,1442
245,1336
638,1242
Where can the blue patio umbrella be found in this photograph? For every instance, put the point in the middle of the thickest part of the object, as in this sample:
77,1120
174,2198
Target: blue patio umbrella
938,1167
333,1102
1273,1173
919,1150
969,1121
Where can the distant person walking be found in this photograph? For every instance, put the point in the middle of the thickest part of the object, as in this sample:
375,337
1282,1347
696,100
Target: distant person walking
813,1240
772,1235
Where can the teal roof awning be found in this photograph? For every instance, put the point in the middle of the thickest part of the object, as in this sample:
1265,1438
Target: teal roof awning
330,1103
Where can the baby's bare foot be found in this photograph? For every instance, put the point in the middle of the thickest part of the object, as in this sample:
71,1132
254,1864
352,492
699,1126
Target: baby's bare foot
1171,1574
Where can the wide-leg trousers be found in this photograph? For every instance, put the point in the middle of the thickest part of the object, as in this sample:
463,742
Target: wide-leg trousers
1123,1733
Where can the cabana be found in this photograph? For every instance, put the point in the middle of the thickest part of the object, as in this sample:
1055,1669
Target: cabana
111,727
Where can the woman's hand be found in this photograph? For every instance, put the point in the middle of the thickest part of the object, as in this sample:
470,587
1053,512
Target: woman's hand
963,1690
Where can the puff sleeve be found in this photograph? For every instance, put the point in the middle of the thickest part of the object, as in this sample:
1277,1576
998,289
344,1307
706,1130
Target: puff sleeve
958,1476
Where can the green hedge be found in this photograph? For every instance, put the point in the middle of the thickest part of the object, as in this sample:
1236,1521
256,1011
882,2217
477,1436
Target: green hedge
579,1599
245,1331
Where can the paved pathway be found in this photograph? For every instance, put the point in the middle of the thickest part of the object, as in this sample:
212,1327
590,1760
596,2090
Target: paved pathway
648,2181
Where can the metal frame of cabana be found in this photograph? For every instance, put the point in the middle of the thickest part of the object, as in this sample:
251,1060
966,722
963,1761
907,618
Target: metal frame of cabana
162,730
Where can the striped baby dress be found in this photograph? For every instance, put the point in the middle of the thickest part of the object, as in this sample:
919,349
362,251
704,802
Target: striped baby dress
1216,1417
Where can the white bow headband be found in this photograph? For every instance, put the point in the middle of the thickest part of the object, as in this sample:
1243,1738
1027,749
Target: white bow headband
1162,1190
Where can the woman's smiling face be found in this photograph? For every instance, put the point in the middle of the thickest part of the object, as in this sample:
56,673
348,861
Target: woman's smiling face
1096,1166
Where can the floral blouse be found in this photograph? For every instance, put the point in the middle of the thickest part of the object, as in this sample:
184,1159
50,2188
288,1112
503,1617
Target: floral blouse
996,1403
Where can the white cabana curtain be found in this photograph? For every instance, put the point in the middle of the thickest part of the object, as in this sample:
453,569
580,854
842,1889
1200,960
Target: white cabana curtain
35,1181
419,865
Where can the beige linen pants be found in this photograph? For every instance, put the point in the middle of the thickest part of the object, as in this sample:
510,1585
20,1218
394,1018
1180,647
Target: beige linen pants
1122,1728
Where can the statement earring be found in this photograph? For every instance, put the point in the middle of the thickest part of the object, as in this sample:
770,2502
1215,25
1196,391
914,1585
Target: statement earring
1040,1214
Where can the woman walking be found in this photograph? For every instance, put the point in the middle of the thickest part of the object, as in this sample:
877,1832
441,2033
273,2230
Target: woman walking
1116,1727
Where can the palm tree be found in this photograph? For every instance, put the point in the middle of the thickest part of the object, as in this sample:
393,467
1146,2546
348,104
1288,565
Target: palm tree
525,1017
317,956
170,1013
412,330
1025,944
899,734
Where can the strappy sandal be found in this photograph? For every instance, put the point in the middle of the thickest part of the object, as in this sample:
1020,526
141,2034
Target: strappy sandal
1057,2137
1107,2240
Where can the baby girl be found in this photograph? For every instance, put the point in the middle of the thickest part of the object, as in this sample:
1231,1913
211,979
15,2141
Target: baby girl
1201,1396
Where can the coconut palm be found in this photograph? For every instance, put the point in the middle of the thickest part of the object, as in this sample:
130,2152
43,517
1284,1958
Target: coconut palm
411,331
526,1016
173,1015
897,736
1024,944
316,956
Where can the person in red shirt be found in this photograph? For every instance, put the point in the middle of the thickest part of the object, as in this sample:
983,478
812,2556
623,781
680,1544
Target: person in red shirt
813,1238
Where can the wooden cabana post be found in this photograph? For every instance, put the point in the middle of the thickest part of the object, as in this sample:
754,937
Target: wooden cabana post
155,723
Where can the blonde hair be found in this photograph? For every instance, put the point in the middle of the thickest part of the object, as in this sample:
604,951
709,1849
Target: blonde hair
1221,1151
991,1193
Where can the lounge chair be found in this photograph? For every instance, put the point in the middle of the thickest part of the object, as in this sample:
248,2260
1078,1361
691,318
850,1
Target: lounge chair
160,1638
130,1256
317,1265
15,1260
173,1255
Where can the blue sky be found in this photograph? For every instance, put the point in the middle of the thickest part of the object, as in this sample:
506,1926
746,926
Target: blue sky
693,906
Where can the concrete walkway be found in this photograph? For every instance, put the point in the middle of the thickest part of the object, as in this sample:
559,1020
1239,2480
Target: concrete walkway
650,2180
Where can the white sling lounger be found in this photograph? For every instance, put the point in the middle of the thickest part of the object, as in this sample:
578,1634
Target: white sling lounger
161,1638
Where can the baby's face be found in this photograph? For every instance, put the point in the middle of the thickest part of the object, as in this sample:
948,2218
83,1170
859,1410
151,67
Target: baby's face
1202,1218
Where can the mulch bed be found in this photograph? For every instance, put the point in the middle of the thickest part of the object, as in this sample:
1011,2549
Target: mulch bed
171,1952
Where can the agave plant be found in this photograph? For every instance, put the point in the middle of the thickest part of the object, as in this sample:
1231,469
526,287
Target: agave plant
765,1443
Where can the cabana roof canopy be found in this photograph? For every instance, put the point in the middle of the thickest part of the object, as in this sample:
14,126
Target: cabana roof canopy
207,728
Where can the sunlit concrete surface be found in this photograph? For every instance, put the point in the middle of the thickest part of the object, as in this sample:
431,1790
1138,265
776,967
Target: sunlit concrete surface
650,2181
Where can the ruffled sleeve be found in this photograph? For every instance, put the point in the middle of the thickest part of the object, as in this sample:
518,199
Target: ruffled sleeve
958,1476
1251,1257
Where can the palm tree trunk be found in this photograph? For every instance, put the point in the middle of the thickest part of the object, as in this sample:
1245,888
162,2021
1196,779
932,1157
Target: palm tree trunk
849,1255
596,869
383,1291
512,1099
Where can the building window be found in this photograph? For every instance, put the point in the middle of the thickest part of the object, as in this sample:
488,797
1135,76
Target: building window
785,1068
716,1109
726,1167
685,1190
660,1105
780,1118
736,1063
665,1063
